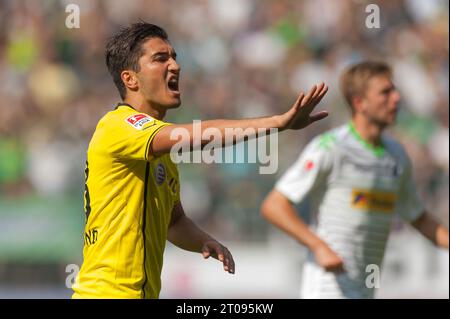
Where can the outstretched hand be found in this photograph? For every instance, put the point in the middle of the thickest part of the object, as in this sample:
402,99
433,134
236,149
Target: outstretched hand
219,252
299,116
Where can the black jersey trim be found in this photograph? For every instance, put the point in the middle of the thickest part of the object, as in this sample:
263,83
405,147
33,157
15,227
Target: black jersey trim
144,218
126,104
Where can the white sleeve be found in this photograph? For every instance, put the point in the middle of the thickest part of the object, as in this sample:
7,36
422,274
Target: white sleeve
410,206
308,173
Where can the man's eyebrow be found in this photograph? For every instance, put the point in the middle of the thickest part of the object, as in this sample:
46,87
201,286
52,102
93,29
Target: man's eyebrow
160,53
389,88
174,54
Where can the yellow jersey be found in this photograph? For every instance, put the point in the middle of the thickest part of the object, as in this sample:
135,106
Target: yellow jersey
129,197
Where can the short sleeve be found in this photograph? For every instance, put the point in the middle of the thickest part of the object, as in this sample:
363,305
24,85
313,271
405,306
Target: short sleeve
410,206
308,173
131,135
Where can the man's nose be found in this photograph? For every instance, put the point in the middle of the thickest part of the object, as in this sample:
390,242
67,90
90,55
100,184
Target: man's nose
174,66
396,96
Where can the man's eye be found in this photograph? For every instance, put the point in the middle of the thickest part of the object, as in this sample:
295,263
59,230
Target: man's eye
161,58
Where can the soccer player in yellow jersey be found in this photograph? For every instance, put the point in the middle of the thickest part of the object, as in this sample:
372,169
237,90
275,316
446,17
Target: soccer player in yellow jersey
132,191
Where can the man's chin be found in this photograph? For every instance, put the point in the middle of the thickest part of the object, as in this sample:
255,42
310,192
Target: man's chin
173,105
383,123
392,120
386,124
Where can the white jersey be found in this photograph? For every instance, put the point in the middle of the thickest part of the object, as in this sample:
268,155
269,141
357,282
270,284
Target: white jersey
355,189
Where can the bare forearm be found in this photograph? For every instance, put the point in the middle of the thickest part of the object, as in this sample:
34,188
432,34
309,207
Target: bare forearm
221,132
186,235
191,136
279,211
253,123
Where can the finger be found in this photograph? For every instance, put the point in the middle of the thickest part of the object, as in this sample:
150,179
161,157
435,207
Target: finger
338,270
299,101
324,90
318,116
206,252
307,98
318,90
231,265
337,267
228,262
321,92
320,95
220,255
334,269
226,265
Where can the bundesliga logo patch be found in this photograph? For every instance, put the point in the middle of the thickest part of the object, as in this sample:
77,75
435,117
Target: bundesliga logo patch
138,120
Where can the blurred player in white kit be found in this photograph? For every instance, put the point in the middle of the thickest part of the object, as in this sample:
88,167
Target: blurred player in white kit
357,179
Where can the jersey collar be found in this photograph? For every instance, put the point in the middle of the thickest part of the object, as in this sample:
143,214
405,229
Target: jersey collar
378,151
123,104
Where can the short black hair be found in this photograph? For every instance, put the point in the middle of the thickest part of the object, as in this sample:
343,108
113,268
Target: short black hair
124,49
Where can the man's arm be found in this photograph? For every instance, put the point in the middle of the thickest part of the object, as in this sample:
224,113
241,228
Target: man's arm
432,230
278,210
298,117
184,234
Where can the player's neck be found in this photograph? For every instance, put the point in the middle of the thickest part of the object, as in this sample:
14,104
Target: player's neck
368,131
145,107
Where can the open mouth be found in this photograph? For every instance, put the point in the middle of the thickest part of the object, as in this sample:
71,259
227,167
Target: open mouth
173,84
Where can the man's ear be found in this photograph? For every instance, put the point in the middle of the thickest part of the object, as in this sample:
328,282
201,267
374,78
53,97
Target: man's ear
357,103
130,79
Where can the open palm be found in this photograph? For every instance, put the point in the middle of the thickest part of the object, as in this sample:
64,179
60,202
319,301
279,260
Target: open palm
299,116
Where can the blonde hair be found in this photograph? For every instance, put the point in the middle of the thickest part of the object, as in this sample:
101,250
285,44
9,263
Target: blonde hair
354,79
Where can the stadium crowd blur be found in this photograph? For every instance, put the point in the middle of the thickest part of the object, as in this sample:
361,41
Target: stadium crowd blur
238,59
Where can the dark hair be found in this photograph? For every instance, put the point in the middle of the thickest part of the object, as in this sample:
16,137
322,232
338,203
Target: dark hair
354,80
125,48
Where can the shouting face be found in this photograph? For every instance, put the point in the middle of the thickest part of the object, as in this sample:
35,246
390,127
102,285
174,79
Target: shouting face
159,73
